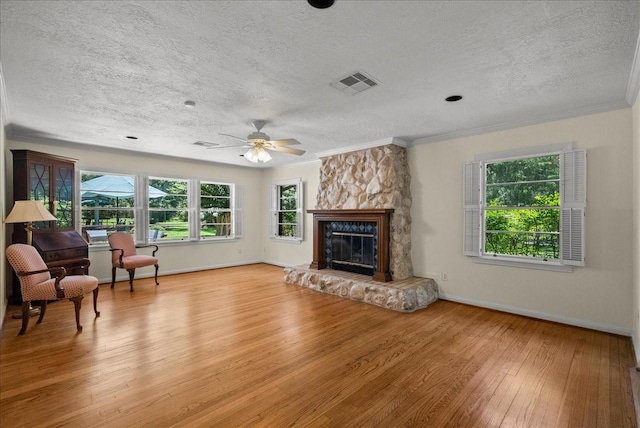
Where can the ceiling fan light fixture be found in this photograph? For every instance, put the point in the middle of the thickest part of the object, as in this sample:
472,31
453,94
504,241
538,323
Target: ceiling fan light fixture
251,155
263,155
257,154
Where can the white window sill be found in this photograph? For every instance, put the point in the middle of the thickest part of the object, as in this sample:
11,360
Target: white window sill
169,243
540,265
287,240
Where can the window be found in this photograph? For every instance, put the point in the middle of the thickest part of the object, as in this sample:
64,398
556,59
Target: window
168,203
286,210
107,205
158,209
526,208
215,210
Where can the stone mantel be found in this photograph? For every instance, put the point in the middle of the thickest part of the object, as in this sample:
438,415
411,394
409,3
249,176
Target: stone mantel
380,216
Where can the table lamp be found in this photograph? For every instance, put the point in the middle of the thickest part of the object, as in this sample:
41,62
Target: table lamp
27,212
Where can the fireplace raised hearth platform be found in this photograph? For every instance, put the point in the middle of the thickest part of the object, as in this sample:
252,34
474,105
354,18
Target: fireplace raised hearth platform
407,295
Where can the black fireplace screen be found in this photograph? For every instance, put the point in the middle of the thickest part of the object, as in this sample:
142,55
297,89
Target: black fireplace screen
351,246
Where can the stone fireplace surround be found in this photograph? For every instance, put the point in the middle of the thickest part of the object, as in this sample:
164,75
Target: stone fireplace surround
375,179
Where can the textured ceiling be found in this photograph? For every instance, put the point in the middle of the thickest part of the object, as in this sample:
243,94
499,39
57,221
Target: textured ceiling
95,72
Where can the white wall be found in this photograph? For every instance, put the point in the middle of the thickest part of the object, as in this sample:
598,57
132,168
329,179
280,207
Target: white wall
291,253
597,295
4,211
636,227
180,257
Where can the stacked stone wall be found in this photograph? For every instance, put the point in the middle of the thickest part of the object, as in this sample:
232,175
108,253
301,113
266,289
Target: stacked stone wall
373,178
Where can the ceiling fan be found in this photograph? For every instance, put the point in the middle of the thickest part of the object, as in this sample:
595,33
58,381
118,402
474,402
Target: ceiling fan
258,143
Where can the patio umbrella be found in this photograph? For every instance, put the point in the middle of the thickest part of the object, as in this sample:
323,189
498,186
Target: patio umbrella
113,186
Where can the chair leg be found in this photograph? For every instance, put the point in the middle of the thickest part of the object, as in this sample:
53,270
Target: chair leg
131,273
95,301
113,277
77,304
25,317
156,265
43,309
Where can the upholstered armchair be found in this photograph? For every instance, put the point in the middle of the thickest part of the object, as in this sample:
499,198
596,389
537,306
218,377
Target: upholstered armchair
124,256
40,283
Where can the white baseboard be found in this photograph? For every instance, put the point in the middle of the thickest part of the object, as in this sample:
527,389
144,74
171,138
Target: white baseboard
282,265
540,315
162,273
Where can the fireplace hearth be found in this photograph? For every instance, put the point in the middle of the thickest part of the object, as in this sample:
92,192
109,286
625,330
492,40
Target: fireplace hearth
352,240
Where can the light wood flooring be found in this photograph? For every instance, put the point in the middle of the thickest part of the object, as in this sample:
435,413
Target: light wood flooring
239,347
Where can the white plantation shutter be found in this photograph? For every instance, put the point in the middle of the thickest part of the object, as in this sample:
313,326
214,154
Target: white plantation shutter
472,211
573,203
572,236
299,211
237,211
273,211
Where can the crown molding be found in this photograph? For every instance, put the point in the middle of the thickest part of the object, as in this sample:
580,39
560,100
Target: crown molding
634,76
4,107
545,118
356,147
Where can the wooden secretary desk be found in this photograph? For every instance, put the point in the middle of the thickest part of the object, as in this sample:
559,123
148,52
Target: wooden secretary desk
50,179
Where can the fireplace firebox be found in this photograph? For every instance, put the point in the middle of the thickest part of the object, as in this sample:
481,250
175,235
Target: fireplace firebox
352,240
351,246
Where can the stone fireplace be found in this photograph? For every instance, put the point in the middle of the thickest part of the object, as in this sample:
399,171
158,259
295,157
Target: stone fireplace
362,231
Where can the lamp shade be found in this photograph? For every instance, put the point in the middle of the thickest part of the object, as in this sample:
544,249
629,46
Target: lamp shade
28,211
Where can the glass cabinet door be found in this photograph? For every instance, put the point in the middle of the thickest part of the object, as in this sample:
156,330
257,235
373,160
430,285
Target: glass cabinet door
40,188
52,184
63,203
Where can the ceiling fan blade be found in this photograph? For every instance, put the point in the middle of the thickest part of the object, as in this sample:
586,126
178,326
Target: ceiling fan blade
286,150
285,142
233,136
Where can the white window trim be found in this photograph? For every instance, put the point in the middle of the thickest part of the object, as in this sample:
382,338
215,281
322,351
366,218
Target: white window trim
572,208
273,211
141,209
78,197
235,205
141,235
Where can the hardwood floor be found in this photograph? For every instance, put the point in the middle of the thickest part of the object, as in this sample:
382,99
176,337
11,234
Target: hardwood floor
239,347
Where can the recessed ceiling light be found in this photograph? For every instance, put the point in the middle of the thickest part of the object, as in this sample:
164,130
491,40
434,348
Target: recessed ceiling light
321,4
131,137
453,98
190,104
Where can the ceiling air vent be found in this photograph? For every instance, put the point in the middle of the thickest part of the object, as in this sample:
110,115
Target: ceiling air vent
205,144
354,83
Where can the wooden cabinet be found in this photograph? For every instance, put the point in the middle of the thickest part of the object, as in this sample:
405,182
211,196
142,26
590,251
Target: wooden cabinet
50,179
47,178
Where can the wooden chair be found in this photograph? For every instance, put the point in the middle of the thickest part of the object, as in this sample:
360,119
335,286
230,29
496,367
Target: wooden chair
124,256
37,284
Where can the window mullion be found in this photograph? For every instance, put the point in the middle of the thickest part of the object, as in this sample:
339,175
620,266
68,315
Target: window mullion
142,208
